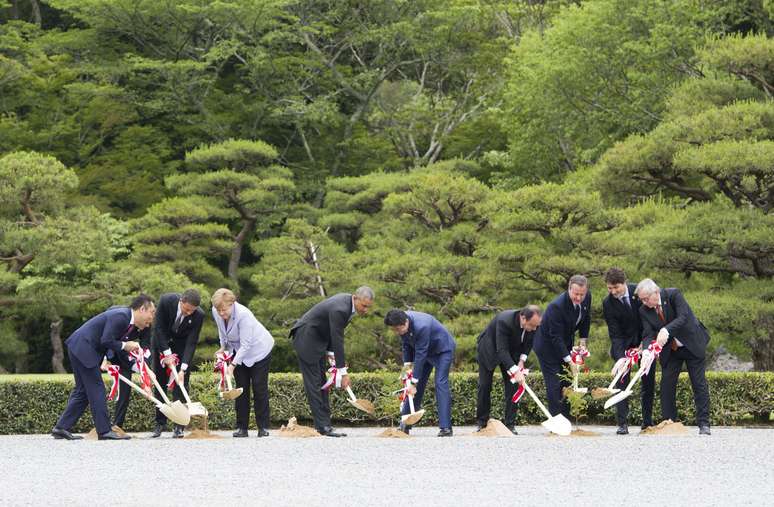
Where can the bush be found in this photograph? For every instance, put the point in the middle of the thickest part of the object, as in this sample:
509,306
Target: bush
31,404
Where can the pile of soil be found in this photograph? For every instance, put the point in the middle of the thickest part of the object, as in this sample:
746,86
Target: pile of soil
494,428
295,430
201,435
667,427
577,432
392,433
92,435
599,393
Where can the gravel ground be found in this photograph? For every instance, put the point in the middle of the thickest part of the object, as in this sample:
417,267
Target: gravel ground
732,467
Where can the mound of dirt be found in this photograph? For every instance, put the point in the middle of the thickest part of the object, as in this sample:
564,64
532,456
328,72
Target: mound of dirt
577,432
599,393
198,434
494,428
295,430
392,433
92,435
667,427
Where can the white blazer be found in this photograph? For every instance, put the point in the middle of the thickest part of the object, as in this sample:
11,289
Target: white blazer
244,334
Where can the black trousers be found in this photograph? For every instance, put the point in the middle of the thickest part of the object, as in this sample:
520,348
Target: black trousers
647,393
670,372
124,395
257,377
163,378
484,397
557,404
319,401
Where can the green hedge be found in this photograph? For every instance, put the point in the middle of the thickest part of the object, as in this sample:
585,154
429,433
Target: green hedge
31,405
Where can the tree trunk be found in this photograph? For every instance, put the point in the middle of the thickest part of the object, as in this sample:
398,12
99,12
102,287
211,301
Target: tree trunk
36,17
313,254
57,356
236,251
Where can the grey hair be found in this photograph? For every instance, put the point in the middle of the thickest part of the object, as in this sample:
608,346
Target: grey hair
578,280
645,288
365,292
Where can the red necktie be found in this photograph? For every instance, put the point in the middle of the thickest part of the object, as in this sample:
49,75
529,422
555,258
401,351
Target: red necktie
127,332
660,312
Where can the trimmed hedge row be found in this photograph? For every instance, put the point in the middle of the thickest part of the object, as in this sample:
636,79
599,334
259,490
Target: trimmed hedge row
32,406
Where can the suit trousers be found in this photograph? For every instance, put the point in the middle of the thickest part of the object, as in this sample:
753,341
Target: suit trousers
124,395
163,377
670,373
484,401
442,363
647,393
557,404
89,391
257,377
313,375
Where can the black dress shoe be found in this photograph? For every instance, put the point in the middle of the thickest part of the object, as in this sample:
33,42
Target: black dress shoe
157,430
445,432
622,430
704,430
405,428
262,433
329,432
112,435
512,427
177,432
646,425
240,433
480,426
60,434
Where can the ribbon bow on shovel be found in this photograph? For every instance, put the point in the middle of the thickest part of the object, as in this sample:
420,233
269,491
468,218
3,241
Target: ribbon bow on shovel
223,359
520,390
180,411
415,415
194,408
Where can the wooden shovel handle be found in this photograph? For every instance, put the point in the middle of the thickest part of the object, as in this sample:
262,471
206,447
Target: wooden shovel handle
182,386
140,390
537,400
616,379
351,394
162,392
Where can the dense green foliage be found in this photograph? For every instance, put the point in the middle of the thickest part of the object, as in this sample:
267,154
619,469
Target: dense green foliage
459,156
32,406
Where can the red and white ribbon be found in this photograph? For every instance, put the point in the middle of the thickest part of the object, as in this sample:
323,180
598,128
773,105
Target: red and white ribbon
520,390
114,371
139,356
579,357
221,366
170,374
632,357
655,349
407,380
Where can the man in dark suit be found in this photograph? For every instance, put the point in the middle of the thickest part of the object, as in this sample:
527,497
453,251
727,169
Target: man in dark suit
426,345
86,347
667,319
506,341
124,362
176,330
621,309
318,334
568,313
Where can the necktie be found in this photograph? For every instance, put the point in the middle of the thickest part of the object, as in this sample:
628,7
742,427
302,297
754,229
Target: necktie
177,323
660,312
127,332
626,300
578,309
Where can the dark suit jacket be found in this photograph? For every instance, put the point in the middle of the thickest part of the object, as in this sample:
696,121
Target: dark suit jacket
322,329
554,338
623,323
100,334
183,343
425,337
680,322
122,358
502,342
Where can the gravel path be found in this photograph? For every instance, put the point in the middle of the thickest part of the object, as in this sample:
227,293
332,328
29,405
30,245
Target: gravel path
732,467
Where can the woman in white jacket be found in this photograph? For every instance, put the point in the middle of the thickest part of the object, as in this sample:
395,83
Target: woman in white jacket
241,333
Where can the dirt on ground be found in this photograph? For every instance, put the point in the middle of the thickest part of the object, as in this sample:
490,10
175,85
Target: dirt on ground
198,434
494,428
392,433
295,430
668,427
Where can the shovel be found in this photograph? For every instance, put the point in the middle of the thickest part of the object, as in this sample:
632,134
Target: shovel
167,410
364,405
230,393
575,387
555,424
414,416
626,392
182,416
194,408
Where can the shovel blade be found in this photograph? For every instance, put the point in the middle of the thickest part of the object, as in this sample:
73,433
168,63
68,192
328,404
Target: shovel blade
195,408
364,405
176,412
558,424
603,392
231,394
412,418
618,397
583,390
